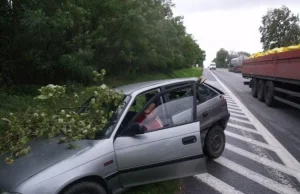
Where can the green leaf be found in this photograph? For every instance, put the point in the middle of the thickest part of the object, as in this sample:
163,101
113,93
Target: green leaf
42,97
62,140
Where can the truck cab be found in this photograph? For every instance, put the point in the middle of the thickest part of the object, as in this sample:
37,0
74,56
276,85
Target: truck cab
212,66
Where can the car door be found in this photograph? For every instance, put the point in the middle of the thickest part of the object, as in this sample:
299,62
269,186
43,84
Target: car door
217,104
204,113
169,152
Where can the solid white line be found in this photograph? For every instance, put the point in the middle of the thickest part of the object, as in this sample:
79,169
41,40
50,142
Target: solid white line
262,160
217,184
240,120
243,128
248,140
283,153
256,177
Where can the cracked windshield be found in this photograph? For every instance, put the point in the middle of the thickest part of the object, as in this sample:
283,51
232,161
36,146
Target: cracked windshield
149,97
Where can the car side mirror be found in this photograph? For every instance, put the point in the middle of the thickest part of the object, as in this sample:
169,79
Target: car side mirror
135,129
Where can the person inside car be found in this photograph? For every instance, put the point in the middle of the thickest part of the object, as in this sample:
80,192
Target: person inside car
149,119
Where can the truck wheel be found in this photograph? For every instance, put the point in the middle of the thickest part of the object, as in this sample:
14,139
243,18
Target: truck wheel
269,92
214,143
254,88
260,90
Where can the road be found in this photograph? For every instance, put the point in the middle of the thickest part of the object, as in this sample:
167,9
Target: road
262,151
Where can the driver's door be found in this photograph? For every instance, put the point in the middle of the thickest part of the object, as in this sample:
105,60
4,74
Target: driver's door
172,151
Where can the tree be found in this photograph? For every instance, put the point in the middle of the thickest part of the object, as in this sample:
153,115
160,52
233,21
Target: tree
243,53
221,58
280,27
51,41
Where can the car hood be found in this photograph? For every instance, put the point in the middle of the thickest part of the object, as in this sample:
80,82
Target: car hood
44,154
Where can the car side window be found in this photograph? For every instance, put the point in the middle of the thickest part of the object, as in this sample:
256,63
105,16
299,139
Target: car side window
139,102
205,93
179,106
158,115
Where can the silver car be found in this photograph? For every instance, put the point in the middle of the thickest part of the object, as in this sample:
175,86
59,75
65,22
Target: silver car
135,148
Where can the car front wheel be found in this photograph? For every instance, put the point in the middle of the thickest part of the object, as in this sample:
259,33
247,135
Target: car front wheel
85,188
214,144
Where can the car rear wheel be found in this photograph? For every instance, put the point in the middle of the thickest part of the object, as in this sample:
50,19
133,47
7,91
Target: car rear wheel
214,144
260,90
85,188
269,93
254,88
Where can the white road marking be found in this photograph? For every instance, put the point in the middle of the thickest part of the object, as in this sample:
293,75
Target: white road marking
240,120
242,128
263,160
228,98
238,115
256,177
232,106
288,159
249,140
230,101
221,186
234,110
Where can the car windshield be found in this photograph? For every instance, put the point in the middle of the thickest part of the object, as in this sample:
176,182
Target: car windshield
108,129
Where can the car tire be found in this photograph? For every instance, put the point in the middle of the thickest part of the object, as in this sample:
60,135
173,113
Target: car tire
86,188
260,90
269,93
254,88
214,143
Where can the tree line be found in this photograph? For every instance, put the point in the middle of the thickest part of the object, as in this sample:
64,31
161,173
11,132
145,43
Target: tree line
223,57
279,28
50,41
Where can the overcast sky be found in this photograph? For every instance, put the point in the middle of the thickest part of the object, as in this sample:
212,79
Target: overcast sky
229,24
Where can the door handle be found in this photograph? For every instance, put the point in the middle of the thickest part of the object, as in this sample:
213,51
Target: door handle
189,140
205,114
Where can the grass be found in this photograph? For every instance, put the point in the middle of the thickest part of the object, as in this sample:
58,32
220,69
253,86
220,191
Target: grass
18,104
166,187
120,80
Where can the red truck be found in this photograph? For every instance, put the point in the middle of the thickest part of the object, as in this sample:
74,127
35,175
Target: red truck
275,77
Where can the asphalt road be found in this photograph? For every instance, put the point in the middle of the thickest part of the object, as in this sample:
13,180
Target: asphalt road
262,151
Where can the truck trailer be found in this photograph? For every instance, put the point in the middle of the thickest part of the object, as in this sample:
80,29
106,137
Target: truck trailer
275,77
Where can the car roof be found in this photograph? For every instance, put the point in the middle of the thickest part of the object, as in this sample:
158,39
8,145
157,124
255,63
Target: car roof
128,89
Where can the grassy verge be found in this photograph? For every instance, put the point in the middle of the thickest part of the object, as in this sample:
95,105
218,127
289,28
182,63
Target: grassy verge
19,103
120,80
167,187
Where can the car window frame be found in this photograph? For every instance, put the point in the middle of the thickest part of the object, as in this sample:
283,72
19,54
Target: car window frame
161,95
198,93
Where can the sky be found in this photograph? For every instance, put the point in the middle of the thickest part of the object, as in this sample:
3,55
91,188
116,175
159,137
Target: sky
229,24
